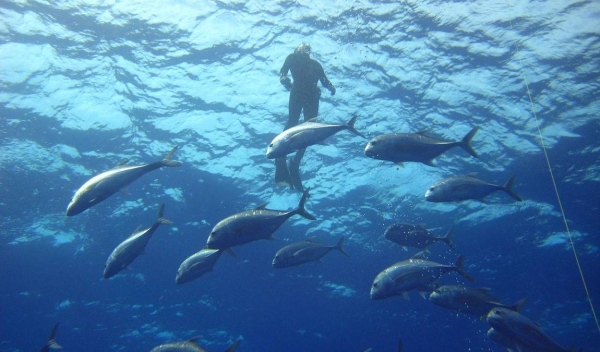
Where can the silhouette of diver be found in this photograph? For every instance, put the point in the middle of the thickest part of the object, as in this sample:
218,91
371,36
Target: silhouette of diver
304,97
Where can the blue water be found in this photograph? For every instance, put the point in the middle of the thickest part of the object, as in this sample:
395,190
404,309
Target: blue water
87,84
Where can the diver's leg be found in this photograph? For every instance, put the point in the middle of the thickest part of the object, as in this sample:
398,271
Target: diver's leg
294,170
311,105
282,175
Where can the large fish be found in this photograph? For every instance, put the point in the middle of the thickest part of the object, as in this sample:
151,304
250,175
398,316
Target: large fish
197,265
102,186
417,236
132,247
303,252
403,147
526,335
252,225
189,346
51,343
412,274
473,301
304,135
459,188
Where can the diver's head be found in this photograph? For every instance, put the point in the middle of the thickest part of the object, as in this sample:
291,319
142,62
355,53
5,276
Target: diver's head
303,48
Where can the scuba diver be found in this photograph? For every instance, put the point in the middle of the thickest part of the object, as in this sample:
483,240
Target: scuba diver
304,97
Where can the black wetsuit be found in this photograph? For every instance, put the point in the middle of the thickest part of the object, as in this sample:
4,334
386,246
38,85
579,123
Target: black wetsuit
304,97
304,94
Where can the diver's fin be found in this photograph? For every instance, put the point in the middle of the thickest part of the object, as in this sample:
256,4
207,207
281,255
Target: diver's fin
282,175
294,170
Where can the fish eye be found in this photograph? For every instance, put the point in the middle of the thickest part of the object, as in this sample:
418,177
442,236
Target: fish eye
432,188
271,145
375,285
373,142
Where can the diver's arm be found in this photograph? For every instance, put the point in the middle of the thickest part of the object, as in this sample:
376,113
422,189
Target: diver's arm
326,82
283,78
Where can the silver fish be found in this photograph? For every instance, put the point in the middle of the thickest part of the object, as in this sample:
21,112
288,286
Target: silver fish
102,186
252,225
417,236
412,274
197,265
189,346
304,135
303,252
526,335
418,147
473,301
132,247
459,188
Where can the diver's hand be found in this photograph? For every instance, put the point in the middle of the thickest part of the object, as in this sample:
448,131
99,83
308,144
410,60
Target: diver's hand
286,82
332,90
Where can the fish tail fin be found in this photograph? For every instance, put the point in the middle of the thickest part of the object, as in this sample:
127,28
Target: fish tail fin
300,209
448,238
340,248
167,159
350,126
508,189
233,346
517,306
400,346
464,143
161,219
51,342
459,267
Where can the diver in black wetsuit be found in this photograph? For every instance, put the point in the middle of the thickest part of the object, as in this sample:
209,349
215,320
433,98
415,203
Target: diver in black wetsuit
304,97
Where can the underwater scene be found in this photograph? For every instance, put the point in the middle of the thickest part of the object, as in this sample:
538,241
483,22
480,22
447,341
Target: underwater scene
299,175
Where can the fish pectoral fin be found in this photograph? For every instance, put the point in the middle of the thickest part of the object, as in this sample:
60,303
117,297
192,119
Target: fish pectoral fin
423,294
230,252
299,252
125,191
405,296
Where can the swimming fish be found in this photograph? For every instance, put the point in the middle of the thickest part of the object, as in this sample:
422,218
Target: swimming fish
417,236
473,301
526,335
304,135
102,186
132,247
459,188
252,225
197,265
418,147
412,274
303,252
189,346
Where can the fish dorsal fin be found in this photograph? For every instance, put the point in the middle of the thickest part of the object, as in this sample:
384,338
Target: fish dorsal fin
194,340
423,132
121,164
421,226
471,174
261,207
311,240
137,229
314,119
418,256
484,289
